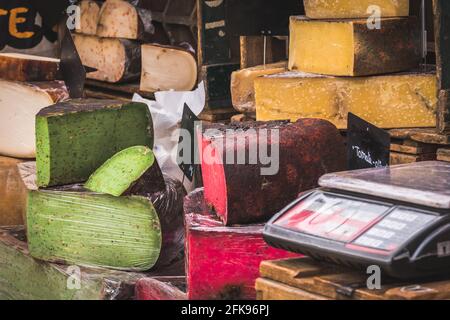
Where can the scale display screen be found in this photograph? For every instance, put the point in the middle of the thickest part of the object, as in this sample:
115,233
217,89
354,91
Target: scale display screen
358,224
344,226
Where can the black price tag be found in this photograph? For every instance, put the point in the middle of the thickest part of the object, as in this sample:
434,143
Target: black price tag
72,70
261,17
188,127
367,145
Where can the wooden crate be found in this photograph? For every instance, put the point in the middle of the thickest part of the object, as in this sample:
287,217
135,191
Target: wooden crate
415,145
305,279
443,155
259,50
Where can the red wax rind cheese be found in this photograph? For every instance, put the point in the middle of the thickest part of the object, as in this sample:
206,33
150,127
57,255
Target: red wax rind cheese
154,289
222,262
240,193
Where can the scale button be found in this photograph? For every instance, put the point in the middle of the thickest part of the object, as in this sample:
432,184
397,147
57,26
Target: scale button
369,242
404,216
391,224
381,233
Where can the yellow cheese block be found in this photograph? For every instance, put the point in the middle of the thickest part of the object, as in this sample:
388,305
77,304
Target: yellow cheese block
13,194
335,9
392,101
350,48
243,87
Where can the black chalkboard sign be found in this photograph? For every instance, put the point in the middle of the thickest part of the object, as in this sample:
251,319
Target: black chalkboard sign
188,125
367,145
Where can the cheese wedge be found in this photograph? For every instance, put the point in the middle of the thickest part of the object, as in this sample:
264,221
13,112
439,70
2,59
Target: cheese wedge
243,86
326,9
13,194
351,48
19,104
74,138
402,100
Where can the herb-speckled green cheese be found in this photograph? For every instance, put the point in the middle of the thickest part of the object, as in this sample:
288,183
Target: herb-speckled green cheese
24,278
74,138
124,170
96,230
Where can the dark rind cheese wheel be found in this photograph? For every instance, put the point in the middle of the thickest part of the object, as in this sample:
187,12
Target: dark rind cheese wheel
239,193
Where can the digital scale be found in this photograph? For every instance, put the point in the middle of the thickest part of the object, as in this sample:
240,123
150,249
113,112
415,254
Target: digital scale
397,218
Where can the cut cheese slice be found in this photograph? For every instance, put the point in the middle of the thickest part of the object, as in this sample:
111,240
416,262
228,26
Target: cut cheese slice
122,19
76,137
402,100
90,13
116,60
167,68
351,48
335,9
19,104
13,194
243,87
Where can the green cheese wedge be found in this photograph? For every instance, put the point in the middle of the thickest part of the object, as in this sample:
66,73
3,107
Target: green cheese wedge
94,230
25,278
121,173
74,138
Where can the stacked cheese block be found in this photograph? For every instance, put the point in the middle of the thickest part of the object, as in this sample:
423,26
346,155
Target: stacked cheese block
225,220
343,59
27,84
95,198
122,42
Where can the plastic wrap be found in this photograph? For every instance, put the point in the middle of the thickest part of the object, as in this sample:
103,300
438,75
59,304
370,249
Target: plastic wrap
167,112
423,183
161,289
169,206
24,278
222,262
13,194
300,152
127,233
95,230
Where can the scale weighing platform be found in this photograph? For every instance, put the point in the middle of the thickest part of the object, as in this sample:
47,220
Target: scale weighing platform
397,218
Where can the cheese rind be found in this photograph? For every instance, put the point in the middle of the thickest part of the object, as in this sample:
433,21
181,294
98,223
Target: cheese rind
403,100
116,59
12,193
222,263
351,48
243,86
24,67
125,170
335,9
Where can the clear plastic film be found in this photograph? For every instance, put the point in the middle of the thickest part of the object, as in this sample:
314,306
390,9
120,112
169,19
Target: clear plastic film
70,225
24,278
222,262
171,288
169,206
